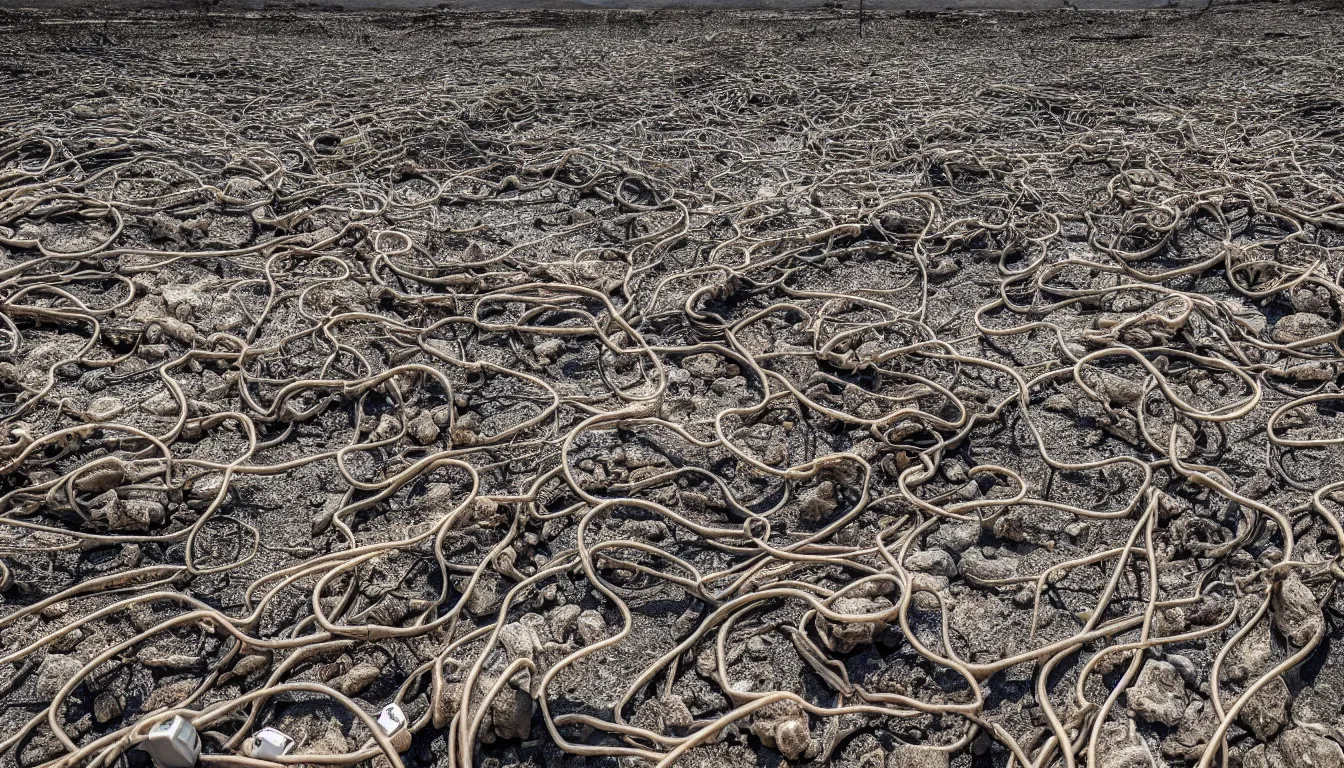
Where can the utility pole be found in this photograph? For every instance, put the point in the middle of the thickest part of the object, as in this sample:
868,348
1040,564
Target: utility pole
861,17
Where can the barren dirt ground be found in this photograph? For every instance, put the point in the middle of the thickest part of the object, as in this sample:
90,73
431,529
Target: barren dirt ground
673,388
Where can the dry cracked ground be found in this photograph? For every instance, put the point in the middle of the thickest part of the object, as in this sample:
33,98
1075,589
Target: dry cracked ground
634,389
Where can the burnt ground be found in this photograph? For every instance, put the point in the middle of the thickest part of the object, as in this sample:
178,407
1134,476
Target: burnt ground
624,388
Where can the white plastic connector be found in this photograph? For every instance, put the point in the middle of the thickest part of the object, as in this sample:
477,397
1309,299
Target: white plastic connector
269,743
391,719
173,743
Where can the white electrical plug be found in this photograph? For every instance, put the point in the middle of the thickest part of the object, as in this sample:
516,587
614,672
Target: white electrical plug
268,743
391,719
173,743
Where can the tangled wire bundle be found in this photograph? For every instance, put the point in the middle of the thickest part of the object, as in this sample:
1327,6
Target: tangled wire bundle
674,389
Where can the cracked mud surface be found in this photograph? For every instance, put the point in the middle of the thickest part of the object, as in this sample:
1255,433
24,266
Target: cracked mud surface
639,389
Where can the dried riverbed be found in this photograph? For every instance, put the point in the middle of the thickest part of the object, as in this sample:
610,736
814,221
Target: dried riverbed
652,388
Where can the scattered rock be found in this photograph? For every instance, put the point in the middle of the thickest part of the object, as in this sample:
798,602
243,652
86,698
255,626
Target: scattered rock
126,514
591,627
1120,747
107,707
954,537
358,679
104,409
1296,613
1310,372
1170,621
511,713
103,477
484,597
932,561
845,636
705,365
820,503
185,301
1301,748
163,404
55,671
1317,704
247,666
1250,657
1311,298
664,713
422,429
485,513
1186,668
1198,723
1300,327
1267,711
520,641
548,350
183,332
924,585
562,621
978,567
783,726
1158,695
